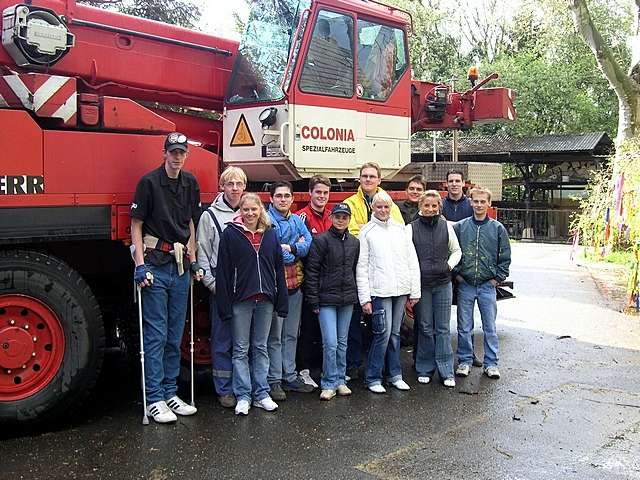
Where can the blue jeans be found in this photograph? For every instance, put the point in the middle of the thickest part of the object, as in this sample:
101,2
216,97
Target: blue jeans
283,342
164,309
385,345
432,315
485,294
334,325
250,328
221,345
355,341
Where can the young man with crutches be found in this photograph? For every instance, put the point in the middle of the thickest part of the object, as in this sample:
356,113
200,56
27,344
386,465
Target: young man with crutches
164,212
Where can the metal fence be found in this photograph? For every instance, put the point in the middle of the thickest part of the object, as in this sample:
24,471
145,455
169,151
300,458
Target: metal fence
536,224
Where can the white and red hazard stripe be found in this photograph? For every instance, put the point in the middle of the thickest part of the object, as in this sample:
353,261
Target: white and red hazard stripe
50,96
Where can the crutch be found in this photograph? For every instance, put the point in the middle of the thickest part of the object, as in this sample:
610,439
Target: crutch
145,418
193,400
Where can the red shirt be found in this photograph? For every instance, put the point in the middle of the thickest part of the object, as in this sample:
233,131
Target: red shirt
316,223
254,238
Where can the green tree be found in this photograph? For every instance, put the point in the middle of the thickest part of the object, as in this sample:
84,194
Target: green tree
593,22
434,47
555,76
176,12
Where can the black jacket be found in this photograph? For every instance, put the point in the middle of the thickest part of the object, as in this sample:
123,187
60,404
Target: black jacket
330,271
409,211
242,272
431,239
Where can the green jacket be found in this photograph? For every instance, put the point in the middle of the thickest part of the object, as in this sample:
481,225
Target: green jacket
486,252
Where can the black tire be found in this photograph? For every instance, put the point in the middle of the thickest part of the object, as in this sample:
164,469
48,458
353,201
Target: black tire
52,282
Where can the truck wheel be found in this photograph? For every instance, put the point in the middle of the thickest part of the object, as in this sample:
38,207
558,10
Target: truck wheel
51,337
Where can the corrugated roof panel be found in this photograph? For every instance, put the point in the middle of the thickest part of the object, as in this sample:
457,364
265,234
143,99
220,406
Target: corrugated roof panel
582,142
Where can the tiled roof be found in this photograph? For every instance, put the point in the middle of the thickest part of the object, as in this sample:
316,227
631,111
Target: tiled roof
593,142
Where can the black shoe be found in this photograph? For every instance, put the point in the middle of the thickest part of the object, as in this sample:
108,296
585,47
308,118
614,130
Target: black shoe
297,386
277,393
476,361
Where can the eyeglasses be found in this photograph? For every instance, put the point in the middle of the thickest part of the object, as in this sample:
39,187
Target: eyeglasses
285,196
234,184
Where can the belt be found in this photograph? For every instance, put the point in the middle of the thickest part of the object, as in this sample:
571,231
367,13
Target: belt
176,249
163,246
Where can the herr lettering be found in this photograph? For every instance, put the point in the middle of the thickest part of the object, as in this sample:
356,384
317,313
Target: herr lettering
21,184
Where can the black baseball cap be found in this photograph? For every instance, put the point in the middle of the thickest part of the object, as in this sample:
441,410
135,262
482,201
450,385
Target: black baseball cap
341,208
176,141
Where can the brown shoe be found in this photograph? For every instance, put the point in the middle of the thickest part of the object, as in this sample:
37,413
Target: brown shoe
343,390
227,401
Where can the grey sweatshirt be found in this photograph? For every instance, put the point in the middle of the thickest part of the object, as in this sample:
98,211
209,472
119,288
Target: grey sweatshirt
209,239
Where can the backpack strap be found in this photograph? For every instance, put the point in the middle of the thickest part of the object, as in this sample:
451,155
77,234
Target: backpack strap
215,221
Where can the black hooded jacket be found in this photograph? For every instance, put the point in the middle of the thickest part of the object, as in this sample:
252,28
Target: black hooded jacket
330,269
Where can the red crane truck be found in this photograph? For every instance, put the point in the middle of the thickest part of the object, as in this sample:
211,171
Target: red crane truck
86,98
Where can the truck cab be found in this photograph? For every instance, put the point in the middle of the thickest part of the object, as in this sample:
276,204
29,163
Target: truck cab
317,87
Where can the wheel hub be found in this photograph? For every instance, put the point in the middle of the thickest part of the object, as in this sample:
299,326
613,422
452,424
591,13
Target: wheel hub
31,346
16,347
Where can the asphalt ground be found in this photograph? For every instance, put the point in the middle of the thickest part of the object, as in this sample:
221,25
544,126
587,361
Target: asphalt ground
567,406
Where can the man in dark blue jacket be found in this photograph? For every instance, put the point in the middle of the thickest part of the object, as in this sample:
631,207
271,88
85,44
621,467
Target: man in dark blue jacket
486,256
456,205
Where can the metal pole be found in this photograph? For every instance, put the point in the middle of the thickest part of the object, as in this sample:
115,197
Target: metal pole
454,144
145,418
193,401
454,147
434,147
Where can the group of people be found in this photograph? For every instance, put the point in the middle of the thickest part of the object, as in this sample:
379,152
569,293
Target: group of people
266,268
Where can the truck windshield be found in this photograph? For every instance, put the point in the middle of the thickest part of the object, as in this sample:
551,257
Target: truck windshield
264,51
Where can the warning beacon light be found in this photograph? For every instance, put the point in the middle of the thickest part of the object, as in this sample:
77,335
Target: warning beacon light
472,75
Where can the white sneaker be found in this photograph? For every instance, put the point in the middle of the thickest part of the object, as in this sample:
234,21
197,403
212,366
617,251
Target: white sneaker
306,378
160,412
424,380
377,389
266,404
327,394
401,385
492,372
463,370
242,407
181,408
449,382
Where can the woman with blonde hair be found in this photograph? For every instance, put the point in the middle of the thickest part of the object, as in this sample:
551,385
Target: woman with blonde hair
387,274
250,287
438,252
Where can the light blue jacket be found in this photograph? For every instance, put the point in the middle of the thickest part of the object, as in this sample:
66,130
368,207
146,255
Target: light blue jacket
289,230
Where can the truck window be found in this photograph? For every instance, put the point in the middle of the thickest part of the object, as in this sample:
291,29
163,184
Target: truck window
264,50
328,65
382,59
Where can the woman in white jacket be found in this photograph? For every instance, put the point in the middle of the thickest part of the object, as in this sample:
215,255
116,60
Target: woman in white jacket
387,273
